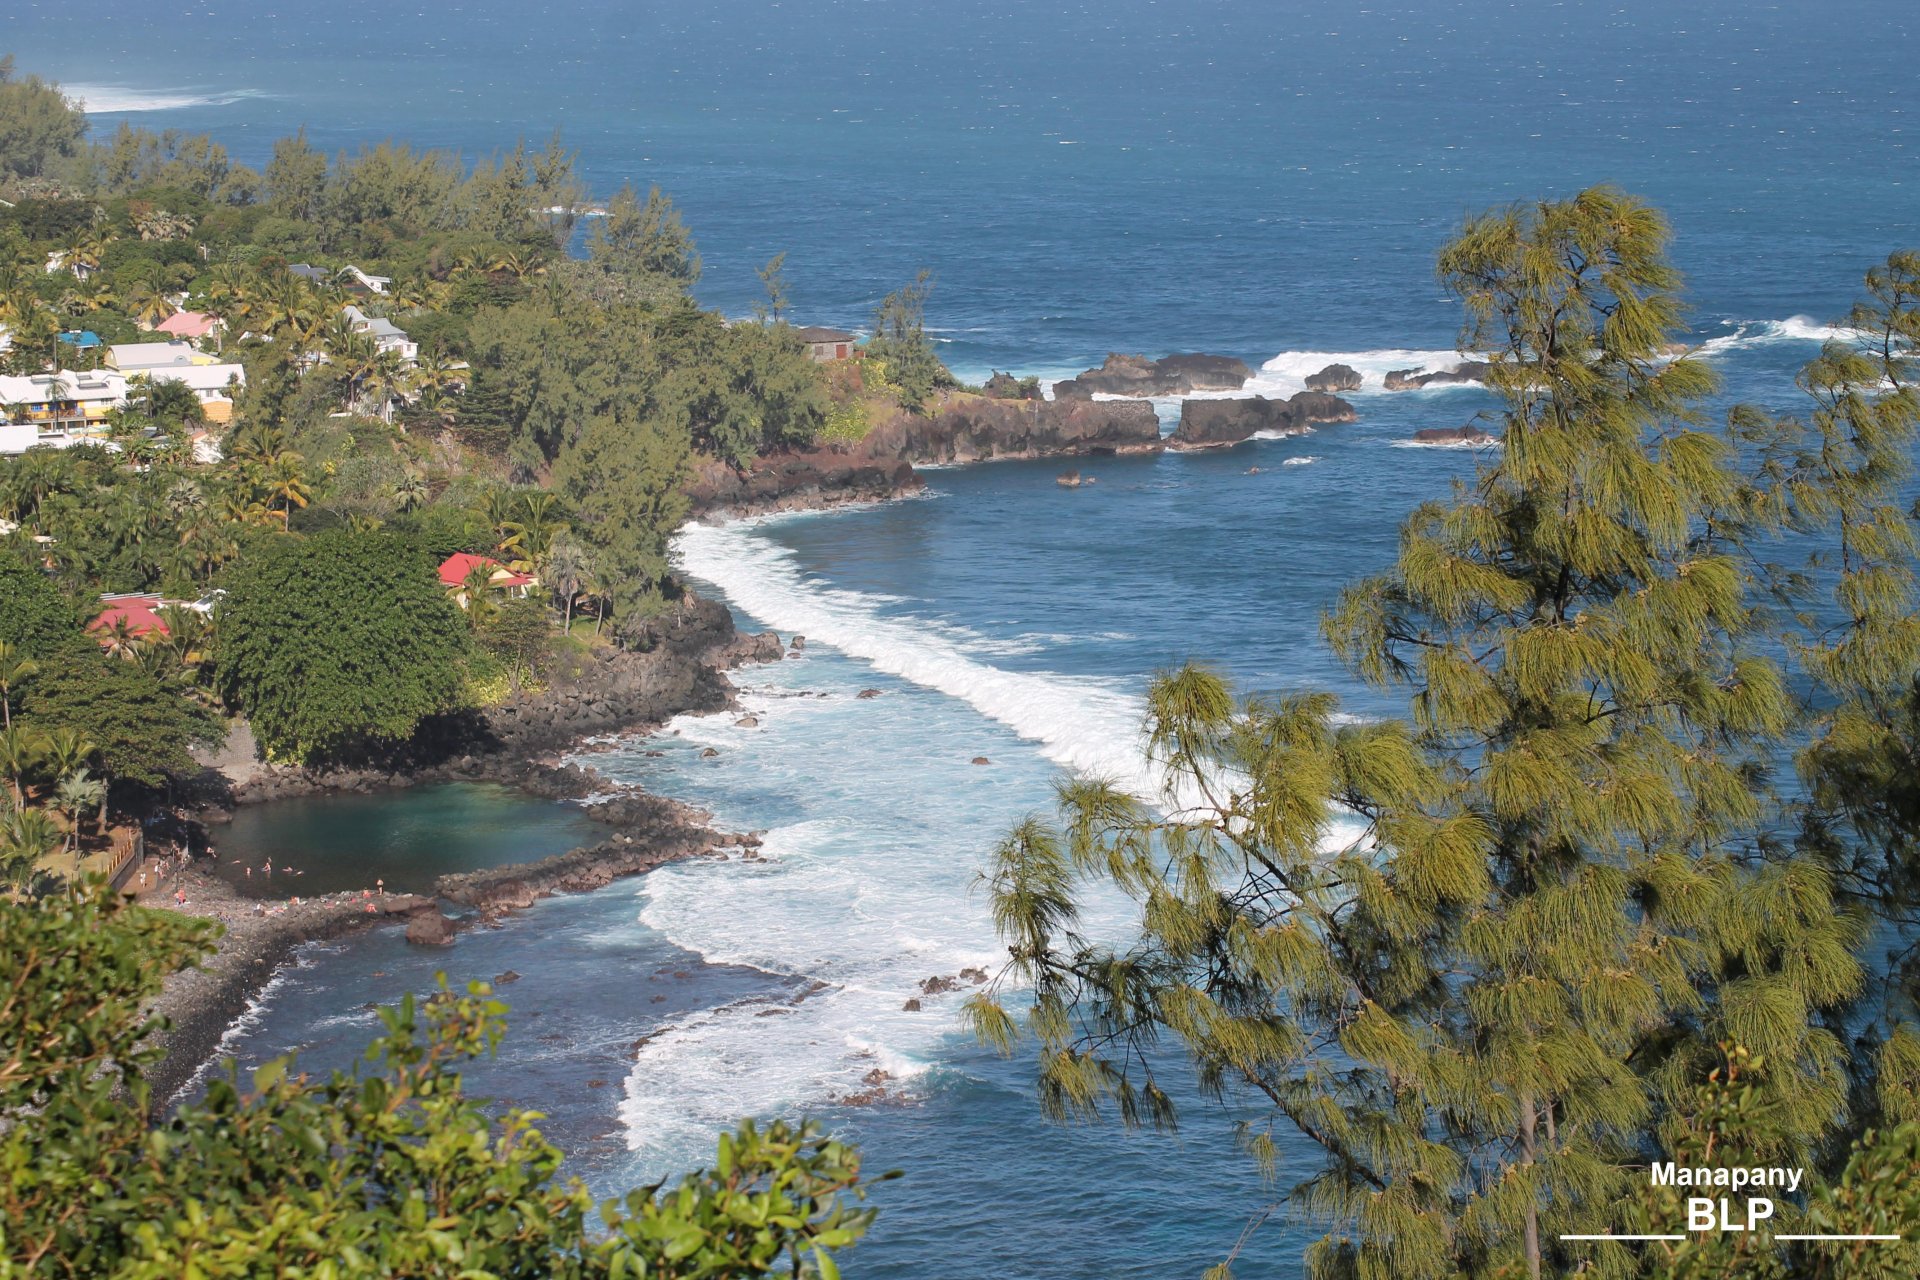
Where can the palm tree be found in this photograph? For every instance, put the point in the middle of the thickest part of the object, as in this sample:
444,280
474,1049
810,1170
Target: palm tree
119,639
148,305
77,793
285,485
411,490
20,755
566,571
26,836
14,667
478,589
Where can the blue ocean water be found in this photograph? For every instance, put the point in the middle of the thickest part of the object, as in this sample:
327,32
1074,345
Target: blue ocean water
1262,179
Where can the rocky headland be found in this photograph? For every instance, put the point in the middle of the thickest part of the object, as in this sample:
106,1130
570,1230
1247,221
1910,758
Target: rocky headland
1175,375
956,428
1221,424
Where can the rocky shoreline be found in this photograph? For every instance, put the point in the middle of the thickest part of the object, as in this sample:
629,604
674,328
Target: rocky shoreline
681,668
517,743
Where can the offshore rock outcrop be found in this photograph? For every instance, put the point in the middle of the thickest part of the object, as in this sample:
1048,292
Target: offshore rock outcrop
1174,375
959,428
1455,436
1220,424
1335,377
1414,379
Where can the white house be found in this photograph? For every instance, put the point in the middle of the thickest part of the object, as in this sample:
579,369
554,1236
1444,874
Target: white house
145,357
371,283
213,384
386,335
57,409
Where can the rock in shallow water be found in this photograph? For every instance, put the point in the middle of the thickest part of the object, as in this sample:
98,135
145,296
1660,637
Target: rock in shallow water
430,929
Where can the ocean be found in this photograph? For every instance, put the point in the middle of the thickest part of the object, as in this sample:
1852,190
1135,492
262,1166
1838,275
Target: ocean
1263,180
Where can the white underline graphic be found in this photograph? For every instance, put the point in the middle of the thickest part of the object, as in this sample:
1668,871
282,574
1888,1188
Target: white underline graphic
1858,1237
1623,1237
1866,1237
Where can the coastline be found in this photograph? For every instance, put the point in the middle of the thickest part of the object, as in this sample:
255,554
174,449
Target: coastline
522,742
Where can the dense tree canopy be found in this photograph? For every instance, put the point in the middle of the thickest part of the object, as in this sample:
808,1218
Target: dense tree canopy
34,616
339,642
143,729
38,125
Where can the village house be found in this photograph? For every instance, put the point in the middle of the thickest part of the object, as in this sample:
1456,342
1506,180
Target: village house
457,570
827,345
136,614
188,325
69,407
386,335
145,357
57,409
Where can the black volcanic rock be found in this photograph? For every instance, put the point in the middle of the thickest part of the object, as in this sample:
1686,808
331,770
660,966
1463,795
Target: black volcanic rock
1335,377
1218,424
1454,435
1414,379
1004,386
1175,375
960,428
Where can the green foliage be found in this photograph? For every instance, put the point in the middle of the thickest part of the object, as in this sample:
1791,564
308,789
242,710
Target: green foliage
642,252
847,424
34,616
389,1170
517,633
39,126
1478,957
902,348
624,480
143,728
338,643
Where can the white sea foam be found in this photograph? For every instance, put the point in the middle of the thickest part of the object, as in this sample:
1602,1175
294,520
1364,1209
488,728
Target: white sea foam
868,885
1761,333
1287,373
113,100
1085,725
1308,460
237,1032
1447,444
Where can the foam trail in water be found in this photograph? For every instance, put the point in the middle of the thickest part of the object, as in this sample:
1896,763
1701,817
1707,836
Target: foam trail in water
113,100
1085,725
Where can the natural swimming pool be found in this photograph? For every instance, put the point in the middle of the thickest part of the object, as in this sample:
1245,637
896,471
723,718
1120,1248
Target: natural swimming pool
407,837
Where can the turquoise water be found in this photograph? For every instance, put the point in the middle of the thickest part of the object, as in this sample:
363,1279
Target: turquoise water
1266,180
408,838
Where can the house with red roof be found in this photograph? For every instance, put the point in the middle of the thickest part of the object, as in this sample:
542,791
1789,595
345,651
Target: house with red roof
457,571
187,324
130,614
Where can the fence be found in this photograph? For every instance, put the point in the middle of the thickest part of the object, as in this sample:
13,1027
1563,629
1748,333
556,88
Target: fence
127,847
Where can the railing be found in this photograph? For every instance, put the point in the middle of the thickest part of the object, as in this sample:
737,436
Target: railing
126,848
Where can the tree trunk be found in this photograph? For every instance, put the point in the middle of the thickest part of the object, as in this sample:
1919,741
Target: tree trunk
1527,1121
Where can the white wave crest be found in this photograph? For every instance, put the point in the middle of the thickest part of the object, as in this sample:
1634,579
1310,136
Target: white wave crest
1082,724
1306,461
1761,333
114,100
1287,373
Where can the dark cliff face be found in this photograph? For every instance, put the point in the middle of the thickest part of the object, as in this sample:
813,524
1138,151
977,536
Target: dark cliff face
1217,424
963,429
1175,375
971,429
